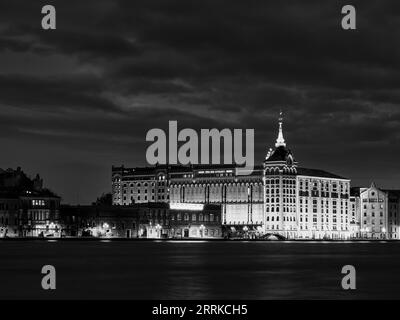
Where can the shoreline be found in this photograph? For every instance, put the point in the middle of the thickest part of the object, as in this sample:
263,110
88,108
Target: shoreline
89,239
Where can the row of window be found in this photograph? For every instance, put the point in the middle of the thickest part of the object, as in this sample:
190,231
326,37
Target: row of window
326,228
195,217
146,198
37,203
8,206
145,191
286,219
38,215
373,222
277,181
285,200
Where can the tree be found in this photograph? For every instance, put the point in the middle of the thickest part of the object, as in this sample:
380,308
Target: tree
104,200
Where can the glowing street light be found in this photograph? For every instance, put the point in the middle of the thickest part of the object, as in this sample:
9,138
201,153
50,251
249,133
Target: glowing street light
158,228
245,229
202,227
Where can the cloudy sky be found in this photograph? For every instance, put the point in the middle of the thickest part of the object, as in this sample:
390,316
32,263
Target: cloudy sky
76,100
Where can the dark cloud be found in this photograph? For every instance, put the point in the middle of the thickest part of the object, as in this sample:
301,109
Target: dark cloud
76,100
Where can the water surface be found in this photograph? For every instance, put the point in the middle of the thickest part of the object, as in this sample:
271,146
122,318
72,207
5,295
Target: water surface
198,270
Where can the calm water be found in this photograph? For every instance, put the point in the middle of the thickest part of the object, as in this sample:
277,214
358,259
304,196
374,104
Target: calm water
198,270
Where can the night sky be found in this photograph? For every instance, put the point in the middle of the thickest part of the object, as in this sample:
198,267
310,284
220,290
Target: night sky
78,99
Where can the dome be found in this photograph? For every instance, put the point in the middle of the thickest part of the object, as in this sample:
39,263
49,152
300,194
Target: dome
281,153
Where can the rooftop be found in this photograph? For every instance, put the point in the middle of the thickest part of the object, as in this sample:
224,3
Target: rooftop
318,173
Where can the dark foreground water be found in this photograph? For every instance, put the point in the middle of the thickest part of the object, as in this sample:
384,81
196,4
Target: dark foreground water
198,270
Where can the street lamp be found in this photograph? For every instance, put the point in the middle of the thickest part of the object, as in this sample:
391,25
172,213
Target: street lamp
245,229
158,228
202,227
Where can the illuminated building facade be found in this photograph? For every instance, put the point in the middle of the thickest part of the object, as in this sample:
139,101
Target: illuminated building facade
303,203
26,208
378,212
278,197
145,220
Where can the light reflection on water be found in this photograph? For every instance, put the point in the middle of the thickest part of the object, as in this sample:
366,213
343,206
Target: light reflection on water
200,269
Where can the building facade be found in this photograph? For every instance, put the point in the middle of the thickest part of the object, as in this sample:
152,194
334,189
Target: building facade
278,197
145,220
303,203
377,212
26,208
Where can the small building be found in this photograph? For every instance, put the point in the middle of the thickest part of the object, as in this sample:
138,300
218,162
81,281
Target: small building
393,214
26,208
373,212
194,221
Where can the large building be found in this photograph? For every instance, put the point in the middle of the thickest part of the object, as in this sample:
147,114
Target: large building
278,197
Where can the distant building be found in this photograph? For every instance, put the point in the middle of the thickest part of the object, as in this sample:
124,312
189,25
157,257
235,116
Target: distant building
278,197
377,211
26,208
393,214
355,212
152,220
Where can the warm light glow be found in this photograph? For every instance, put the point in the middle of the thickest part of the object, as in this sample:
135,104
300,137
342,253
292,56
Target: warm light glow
187,206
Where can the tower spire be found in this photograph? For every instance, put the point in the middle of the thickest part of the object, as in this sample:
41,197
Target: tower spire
280,141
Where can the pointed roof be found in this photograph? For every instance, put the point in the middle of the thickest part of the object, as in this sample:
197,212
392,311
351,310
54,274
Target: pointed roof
280,141
281,152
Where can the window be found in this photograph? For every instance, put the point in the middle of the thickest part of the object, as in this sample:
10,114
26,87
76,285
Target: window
37,203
